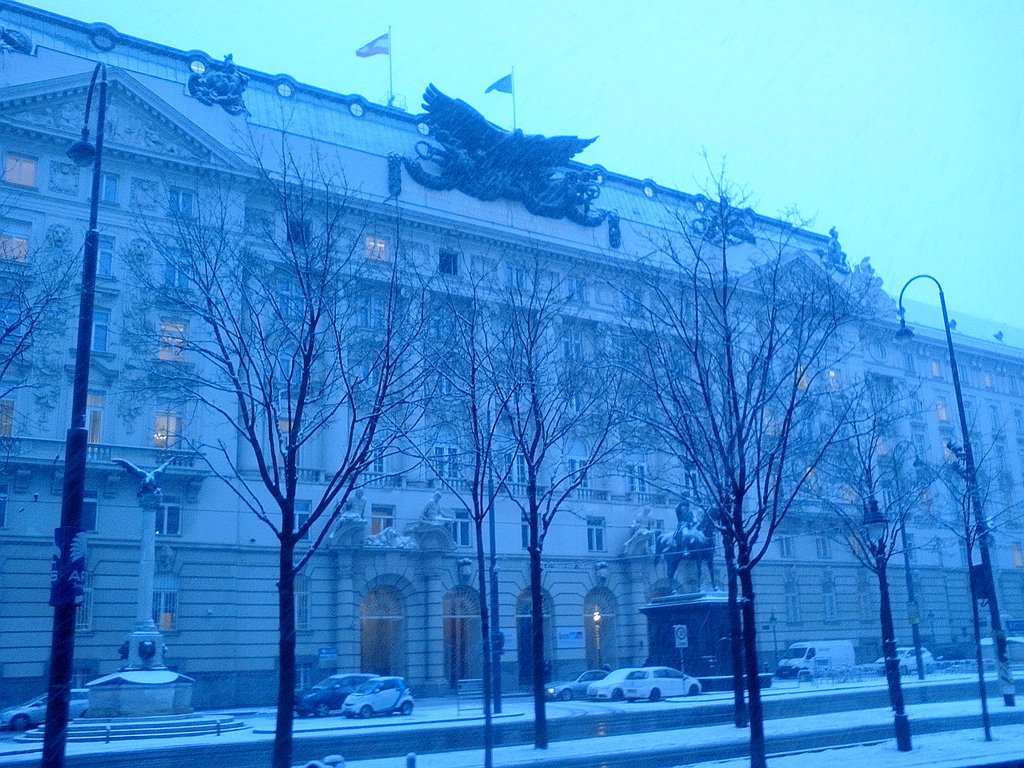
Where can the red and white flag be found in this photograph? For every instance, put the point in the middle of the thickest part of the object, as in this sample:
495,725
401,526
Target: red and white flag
376,47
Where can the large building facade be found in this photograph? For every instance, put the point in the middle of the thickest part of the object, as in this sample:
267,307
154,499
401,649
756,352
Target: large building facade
384,592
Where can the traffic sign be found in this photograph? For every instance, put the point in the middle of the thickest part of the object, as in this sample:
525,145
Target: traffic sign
682,636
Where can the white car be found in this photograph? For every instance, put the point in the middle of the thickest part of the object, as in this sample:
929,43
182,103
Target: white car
611,686
908,660
32,713
655,683
380,696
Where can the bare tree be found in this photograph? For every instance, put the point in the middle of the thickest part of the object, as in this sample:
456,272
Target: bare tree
741,330
283,319
555,372
874,481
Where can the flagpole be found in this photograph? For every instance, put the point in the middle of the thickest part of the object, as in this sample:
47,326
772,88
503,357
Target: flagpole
391,77
513,76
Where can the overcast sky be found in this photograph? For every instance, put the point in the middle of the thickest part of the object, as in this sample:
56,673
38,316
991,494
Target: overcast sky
898,122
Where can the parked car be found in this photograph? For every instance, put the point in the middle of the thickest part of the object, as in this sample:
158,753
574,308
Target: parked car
575,689
329,694
380,696
610,687
815,657
654,683
33,712
908,660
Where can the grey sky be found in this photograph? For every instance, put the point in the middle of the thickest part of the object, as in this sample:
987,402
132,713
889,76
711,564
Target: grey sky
900,123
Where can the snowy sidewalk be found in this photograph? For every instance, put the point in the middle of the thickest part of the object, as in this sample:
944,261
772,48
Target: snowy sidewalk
727,746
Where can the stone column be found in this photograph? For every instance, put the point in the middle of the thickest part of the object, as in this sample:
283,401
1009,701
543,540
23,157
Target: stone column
145,644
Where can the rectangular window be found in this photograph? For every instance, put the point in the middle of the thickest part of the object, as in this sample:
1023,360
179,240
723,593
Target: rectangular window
14,237
302,511
579,467
167,429
105,257
83,614
792,605
447,262
376,248
176,272
576,290
995,417
462,528
941,409
524,535
638,478
572,345
1017,551
172,340
936,368
168,517
100,330
90,509
108,187
302,602
823,547
165,608
786,547
515,277
6,418
20,170
987,380
446,462
595,534
381,517
94,405
181,203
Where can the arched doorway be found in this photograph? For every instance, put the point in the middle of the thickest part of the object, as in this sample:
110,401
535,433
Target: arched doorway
382,632
524,634
599,609
461,614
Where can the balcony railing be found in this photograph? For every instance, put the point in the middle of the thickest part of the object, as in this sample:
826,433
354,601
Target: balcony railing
32,450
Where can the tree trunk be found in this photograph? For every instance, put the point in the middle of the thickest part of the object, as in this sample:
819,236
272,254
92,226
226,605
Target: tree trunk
892,664
735,634
282,757
485,635
757,745
540,720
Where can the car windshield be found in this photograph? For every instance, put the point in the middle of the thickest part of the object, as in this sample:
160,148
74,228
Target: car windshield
637,675
797,651
592,676
370,687
323,684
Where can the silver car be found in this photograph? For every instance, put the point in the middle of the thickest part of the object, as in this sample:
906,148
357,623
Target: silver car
33,712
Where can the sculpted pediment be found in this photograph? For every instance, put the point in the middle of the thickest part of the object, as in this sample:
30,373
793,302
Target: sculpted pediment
137,120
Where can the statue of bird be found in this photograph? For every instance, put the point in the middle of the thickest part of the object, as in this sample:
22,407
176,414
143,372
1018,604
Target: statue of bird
148,480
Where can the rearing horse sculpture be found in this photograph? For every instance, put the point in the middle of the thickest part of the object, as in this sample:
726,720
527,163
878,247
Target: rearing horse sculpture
689,541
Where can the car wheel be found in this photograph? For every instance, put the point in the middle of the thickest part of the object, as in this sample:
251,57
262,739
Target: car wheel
321,710
565,694
20,723
694,690
655,695
407,708
617,694
366,711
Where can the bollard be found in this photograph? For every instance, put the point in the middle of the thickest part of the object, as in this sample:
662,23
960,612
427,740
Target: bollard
410,760
218,726
107,740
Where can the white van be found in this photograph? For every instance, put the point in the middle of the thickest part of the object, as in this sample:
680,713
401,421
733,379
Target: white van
815,657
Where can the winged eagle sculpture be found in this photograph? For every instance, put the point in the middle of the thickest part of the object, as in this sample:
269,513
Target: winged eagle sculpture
486,162
148,479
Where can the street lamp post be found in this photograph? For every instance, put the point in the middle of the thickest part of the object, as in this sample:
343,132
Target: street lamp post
69,560
914,609
987,586
875,526
597,636
773,623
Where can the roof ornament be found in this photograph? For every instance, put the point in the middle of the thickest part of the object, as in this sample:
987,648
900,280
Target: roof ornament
14,40
222,83
487,162
832,255
719,220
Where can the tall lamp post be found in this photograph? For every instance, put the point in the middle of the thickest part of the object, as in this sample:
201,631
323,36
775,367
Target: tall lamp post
876,527
985,584
69,560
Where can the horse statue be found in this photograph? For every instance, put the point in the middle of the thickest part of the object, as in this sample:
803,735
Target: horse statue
690,541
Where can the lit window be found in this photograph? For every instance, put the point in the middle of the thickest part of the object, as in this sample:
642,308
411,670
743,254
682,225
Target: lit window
108,188
835,380
105,257
20,170
595,534
167,429
941,409
94,406
381,518
6,418
100,329
376,248
172,340
168,517
987,380
447,262
14,241
181,203
165,601
936,369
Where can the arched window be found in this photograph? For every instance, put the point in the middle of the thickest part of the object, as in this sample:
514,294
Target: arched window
382,632
524,634
165,601
462,640
599,609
